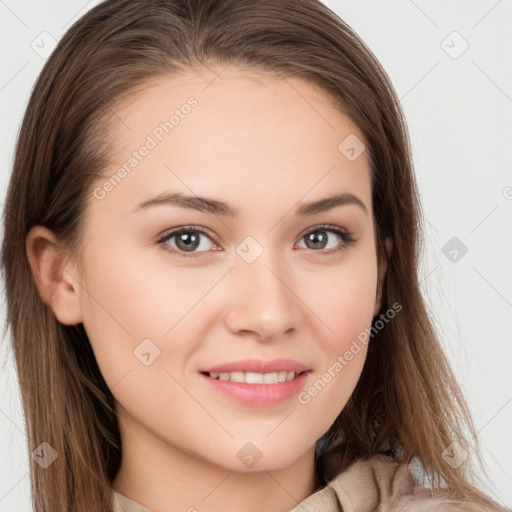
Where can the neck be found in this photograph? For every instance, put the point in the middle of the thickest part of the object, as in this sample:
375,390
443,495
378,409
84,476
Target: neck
164,478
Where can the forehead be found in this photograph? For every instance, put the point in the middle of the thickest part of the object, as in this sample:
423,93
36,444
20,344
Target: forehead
230,132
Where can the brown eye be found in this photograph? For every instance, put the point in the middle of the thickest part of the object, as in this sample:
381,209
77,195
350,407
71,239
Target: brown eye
327,239
316,240
186,240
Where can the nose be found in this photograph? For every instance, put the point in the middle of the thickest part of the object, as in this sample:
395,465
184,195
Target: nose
262,302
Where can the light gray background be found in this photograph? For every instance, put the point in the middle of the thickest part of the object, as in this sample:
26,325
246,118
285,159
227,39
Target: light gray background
459,110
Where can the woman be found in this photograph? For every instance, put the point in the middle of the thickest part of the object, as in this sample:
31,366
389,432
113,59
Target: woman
211,236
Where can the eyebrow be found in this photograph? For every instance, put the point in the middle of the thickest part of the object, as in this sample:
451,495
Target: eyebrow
216,207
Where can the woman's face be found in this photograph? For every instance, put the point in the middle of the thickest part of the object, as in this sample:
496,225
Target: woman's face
266,283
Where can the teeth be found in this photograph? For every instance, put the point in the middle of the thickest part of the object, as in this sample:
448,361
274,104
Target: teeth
253,377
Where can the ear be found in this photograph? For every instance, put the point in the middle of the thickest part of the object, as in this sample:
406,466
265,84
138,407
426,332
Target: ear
57,285
383,265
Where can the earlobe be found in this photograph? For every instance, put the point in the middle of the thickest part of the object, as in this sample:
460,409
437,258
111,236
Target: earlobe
56,284
383,265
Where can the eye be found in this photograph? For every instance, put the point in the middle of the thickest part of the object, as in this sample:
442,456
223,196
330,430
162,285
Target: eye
321,238
185,240
190,241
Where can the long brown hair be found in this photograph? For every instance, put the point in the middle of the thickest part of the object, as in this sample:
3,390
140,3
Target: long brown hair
406,404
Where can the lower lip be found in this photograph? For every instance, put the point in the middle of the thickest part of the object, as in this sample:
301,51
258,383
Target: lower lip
259,394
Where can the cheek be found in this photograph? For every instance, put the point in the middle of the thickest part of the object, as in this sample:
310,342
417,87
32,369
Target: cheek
346,305
343,299
138,292
128,300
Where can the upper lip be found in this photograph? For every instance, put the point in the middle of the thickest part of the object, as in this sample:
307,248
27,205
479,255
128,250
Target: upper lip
258,366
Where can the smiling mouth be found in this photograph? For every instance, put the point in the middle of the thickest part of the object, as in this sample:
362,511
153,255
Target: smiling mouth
254,377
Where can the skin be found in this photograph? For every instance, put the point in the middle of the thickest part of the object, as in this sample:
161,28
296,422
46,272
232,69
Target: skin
265,146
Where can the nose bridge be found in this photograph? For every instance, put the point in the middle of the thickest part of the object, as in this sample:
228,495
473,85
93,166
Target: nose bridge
262,300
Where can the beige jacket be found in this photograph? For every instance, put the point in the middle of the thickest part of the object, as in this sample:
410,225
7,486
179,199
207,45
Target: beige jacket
364,487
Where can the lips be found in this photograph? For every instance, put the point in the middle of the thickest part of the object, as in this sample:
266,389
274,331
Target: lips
256,394
258,366
256,382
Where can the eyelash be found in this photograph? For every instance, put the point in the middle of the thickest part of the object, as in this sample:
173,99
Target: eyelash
346,237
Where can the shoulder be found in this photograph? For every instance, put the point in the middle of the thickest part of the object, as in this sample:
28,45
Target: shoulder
123,504
380,483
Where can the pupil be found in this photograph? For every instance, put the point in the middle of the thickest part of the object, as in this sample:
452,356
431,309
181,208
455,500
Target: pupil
190,241
318,239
